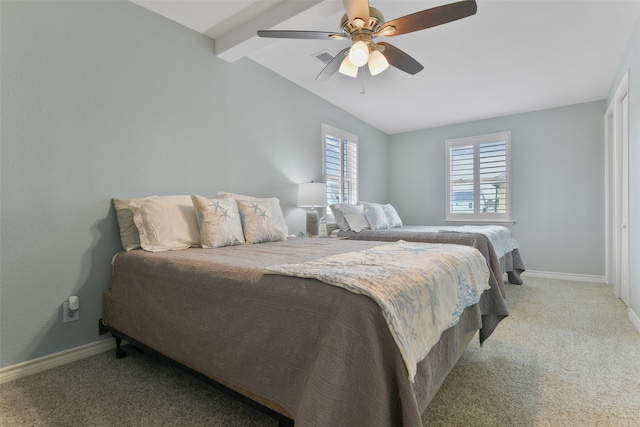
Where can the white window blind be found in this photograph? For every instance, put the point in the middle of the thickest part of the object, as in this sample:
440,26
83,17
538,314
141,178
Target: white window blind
478,178
340,166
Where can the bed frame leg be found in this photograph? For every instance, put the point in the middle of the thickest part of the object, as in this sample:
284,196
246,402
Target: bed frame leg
514,277
120,353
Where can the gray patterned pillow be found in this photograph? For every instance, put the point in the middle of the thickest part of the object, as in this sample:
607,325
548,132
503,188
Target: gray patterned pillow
262,220
279,215
218,221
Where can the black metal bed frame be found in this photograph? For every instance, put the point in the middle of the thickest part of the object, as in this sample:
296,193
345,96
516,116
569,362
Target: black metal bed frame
283,421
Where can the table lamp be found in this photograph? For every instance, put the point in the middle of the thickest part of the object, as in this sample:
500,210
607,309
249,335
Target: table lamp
312,195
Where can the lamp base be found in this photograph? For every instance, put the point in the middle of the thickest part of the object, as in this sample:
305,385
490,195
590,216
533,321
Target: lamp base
312,222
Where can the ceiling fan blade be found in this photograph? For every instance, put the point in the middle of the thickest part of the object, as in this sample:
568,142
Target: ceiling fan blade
293,34
400,59
357,9
333,66
432,17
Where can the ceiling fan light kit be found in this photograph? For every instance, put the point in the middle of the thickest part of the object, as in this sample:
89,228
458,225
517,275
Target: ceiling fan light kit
359,53
347,68
364,52
362,23
377,62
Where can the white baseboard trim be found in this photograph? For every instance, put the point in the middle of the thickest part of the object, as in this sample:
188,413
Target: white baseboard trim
40,364
635,320
565,276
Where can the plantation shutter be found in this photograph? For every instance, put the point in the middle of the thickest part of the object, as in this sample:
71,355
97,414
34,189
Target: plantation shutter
461,194
493,177
350,172
478,187
340,166
333,169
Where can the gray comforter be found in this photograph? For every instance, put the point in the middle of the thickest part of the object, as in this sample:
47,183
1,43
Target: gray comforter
318,354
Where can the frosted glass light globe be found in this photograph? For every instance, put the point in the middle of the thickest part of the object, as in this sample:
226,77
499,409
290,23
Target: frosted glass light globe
359,53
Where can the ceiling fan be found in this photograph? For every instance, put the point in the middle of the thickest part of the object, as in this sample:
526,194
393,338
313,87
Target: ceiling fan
362,23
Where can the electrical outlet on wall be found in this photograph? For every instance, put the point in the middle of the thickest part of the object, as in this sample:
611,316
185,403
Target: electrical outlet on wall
67,316
102,328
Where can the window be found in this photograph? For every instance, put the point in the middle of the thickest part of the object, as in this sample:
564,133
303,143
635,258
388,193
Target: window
340,165
479,178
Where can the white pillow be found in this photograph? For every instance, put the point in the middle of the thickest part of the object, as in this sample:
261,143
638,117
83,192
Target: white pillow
129,235
219,221
340,221
375,216
166,222
393,219
278,217
262,220
354,215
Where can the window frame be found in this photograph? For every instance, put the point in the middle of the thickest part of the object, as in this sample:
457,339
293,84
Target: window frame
478,215
345,137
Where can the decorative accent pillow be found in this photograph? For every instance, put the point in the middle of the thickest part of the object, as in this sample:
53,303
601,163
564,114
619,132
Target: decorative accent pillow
354,215
129,235
278,216
375,216
262,220
393,219
166,222
219,221
340,221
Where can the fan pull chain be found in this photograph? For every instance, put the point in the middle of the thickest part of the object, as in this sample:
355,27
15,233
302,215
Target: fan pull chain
363,90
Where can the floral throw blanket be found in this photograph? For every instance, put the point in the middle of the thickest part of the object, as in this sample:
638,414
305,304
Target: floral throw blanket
422,288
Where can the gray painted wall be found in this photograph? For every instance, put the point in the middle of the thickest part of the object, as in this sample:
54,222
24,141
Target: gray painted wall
631,61
105,99
557,177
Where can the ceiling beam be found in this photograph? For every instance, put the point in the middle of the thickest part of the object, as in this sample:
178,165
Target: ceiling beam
237,37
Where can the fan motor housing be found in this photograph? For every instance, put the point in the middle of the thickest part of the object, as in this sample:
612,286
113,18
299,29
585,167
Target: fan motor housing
350,29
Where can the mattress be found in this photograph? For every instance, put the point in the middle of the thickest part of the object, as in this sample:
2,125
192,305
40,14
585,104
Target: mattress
316,353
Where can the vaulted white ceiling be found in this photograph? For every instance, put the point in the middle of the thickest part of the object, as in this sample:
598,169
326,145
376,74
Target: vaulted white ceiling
512,56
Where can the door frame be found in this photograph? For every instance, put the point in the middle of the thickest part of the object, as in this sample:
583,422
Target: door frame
616,191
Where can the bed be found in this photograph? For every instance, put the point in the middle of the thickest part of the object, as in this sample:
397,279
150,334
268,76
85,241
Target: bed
374,221
295,346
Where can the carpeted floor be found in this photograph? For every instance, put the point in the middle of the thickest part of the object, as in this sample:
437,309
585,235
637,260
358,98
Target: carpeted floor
567,356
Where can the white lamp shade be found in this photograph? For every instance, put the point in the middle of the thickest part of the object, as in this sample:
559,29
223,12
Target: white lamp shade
348,69
377,62
359,53
312,194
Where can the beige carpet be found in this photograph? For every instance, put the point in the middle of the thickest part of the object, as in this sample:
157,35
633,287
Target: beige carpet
567,356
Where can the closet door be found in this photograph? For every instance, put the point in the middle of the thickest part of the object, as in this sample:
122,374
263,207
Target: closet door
617,191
